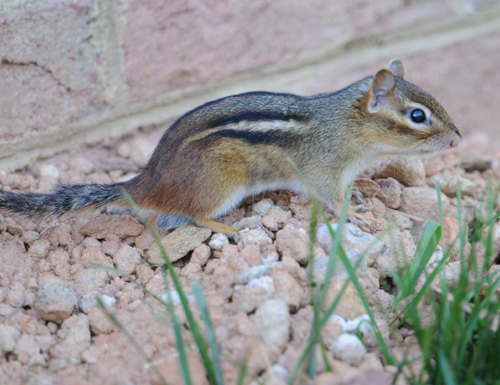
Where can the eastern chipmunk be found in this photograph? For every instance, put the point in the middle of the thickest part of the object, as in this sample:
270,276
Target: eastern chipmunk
215,155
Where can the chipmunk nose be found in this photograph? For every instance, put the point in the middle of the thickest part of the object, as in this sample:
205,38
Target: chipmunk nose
456,140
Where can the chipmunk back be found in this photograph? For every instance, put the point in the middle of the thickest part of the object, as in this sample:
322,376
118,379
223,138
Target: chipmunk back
214,156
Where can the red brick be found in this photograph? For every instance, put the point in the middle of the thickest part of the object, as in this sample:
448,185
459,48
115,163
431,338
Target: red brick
48,67
187,42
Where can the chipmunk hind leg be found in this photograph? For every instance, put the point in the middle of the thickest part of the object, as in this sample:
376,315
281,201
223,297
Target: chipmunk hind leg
170,222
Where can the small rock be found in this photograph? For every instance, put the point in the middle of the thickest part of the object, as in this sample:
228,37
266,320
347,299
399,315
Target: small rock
390,192
423,202
287,288
319,266
252,255
8,338
30,236
178,243
451,229
266,282
120,164
91,355
218,241
397,254
200,255
272,320
145,274
353,239
367,187
49,171
263,206
55,302
433,166
281,372
172,297
350,306
332,330
142,150
88,302
467,187
107,300
96,255
81,165
28,351
399,219
271,223
256,237
91,242
254,272
39,248
247,298
126,259
17,295
124,150
293,242
409,171
349,349
99,323
353,325
88,280
280,214
111,226
75,338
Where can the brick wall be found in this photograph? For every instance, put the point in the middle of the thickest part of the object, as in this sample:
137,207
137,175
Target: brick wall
81,70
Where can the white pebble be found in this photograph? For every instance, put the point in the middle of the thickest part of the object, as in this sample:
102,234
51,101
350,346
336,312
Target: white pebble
49,171
349,349
263,206
266,282
280,371
88,302
340,320
218,241
175,298
107,300
272,320
359,323
253,237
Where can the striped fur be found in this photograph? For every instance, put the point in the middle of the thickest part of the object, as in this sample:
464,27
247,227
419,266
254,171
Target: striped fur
65,198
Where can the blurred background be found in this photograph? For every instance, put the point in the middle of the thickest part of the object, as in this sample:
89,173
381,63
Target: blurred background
81,71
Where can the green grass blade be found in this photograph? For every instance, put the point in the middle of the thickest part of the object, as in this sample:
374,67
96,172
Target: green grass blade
445,369
193,325
214,347
353,278
243,372
425,249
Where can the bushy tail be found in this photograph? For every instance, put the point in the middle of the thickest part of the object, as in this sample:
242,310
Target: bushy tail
65,198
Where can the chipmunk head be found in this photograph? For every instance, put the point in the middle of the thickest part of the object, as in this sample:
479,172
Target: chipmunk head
404,117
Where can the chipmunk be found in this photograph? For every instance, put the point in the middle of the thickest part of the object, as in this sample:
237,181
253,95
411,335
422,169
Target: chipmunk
217,154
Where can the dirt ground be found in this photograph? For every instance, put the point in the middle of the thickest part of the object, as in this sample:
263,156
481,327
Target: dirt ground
258,290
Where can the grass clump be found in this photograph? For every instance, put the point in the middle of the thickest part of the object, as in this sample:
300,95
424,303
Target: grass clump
461,346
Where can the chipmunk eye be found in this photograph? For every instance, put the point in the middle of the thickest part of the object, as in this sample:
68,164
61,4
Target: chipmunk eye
417,115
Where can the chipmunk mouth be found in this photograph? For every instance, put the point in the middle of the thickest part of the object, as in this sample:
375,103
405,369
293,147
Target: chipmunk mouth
442,143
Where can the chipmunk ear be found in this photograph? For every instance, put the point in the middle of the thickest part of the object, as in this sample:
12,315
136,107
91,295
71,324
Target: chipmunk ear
381,89
397,68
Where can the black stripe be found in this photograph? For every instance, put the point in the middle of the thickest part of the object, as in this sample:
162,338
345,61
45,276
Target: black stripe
254,116
274,137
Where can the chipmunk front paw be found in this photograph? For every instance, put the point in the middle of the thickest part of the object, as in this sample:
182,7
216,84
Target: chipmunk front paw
357,219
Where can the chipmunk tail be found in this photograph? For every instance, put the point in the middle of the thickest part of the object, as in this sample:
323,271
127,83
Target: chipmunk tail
65,198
